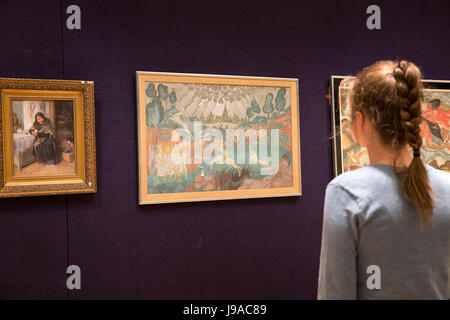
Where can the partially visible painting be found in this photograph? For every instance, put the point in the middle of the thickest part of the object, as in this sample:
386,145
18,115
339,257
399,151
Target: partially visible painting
47,134
206,137
435,151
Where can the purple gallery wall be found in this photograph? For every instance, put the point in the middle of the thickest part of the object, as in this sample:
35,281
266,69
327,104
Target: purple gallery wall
233,249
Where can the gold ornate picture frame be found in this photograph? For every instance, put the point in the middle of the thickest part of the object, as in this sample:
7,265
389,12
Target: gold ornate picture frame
216,137
47,137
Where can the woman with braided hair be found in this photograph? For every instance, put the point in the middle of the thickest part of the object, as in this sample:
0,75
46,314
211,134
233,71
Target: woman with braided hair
386,231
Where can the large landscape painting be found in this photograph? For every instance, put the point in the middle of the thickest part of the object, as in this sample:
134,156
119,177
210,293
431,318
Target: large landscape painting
214,135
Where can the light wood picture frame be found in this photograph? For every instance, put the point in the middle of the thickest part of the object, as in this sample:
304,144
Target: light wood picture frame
435,129
187,124
47,137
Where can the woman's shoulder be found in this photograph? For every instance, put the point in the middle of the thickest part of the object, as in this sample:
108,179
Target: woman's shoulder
368,183
380,178
364,176
438,177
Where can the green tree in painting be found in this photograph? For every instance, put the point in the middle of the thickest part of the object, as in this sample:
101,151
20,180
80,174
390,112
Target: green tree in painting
268,105
154,116
254,108
163,93
172,97
249,113
150,91
155,112
280,101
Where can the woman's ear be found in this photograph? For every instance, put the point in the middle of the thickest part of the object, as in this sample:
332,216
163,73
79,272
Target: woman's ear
360,128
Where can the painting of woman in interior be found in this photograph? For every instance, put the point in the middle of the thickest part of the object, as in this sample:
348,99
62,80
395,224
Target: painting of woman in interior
43,138
44,146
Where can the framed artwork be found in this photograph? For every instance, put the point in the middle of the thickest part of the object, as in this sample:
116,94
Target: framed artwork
213,137
47,137
435,151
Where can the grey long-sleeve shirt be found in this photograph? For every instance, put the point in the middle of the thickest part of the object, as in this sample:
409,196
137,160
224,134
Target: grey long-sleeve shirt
367,222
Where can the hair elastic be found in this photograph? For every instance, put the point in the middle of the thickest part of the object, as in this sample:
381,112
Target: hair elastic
416,153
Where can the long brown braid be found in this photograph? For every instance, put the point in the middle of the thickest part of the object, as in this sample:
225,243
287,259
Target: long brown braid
409,100
390,94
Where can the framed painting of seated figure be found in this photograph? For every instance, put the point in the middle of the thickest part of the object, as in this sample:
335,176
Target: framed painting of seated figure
47,137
